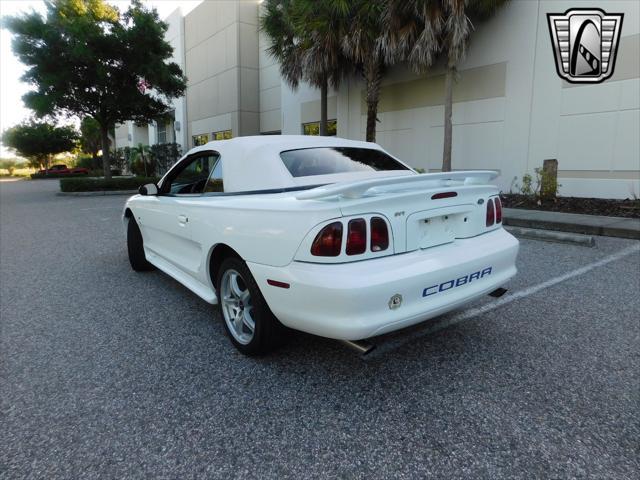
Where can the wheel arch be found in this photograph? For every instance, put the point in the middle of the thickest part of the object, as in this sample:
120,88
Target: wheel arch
218,254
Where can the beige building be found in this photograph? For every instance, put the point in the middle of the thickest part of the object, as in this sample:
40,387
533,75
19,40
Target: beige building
511,109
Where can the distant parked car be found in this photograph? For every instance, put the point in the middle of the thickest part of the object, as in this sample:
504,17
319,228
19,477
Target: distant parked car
62,169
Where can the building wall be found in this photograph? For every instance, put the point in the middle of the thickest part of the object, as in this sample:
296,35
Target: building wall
178,130
591,129
221,53
122,134
511,110
270,89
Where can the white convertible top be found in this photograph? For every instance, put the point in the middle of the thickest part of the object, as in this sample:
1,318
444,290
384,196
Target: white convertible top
254,163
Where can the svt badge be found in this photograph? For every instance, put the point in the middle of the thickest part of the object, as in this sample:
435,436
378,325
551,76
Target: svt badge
585,43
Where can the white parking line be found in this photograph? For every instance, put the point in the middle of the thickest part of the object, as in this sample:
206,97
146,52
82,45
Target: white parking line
101,208
474,312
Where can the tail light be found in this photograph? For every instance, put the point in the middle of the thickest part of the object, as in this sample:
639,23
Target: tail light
357,237
491,213
379,235
328,242
498,203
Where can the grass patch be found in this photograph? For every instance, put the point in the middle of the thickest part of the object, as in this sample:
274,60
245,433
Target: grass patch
16,172
92,184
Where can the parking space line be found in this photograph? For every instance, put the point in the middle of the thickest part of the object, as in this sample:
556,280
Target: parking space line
101,208
435,326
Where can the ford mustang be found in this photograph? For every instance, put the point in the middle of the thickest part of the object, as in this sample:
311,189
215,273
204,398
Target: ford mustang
330,236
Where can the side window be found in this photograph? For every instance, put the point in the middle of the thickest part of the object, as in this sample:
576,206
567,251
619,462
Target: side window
192,177
215,184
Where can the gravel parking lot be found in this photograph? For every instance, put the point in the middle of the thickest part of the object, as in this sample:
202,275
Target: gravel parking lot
108,373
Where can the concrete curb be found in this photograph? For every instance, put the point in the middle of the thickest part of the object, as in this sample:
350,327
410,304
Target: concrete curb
97,194
553,236
573,223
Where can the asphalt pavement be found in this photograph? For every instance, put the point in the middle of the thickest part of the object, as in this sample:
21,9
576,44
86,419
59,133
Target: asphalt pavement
108,373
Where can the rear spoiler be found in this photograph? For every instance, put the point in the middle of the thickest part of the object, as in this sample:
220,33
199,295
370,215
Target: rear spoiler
360,188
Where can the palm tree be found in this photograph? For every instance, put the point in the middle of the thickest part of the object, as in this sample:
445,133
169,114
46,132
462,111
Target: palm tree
417,30
304,36
140,153
361,42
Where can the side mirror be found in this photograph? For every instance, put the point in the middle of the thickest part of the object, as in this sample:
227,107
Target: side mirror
148,189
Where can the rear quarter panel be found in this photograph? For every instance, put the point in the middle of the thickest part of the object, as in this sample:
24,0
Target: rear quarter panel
262,229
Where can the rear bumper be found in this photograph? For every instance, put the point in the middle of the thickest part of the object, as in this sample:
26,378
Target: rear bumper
350,301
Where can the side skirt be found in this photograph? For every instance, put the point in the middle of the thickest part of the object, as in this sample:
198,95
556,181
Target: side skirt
203,291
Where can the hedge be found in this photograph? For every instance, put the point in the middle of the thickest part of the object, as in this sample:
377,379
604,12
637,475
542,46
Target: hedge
92,173
38,176
101,184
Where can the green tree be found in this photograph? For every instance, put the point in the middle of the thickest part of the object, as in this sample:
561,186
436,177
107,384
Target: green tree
39,142
91,138
305,37
85,58
8,164
418,30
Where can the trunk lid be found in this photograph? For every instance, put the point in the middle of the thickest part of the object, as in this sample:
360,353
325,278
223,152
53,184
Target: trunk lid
418,221
424,210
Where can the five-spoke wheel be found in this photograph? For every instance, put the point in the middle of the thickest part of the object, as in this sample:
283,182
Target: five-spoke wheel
236,306
248,320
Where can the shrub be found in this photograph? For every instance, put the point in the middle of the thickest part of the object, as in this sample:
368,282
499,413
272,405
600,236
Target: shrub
165,155
138,166
543,186
37,176
527,185
88,162
102,184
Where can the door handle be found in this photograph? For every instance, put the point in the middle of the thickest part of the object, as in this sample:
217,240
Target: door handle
183,218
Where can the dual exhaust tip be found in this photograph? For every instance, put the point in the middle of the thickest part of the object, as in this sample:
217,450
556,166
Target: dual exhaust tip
364,348
359,346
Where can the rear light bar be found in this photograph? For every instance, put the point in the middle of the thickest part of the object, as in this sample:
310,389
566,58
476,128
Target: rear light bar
491,213
498,203
436,196
328,242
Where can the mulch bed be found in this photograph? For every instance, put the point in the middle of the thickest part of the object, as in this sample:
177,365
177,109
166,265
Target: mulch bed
589,206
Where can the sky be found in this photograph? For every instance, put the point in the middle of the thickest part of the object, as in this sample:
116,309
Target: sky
12,110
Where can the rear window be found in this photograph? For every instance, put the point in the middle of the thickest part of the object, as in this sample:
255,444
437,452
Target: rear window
308,162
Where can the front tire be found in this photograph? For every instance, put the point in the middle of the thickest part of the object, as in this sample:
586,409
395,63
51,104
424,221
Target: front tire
135,248
248,321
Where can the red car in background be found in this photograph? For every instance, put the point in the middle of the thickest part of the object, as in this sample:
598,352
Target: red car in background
62,169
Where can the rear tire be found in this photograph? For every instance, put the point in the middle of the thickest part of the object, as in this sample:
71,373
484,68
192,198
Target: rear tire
248,321
135,248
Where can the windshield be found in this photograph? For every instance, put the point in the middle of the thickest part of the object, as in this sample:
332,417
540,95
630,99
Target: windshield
308,162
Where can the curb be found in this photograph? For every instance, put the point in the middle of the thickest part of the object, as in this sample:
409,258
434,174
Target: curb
552,236
614,227
101,193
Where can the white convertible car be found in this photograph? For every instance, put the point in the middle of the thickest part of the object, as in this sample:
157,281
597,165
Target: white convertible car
329,236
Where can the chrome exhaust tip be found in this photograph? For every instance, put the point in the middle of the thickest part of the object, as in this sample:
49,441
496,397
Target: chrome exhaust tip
498,292
361,346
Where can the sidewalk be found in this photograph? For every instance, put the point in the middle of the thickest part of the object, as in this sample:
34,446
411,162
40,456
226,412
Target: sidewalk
572,222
